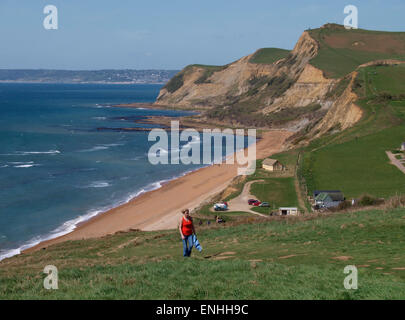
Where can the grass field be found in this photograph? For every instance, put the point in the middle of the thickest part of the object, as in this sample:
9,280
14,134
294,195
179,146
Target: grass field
354,161
278,259
268,55
350,48
279,192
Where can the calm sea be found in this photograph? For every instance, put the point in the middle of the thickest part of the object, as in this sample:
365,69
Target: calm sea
57,169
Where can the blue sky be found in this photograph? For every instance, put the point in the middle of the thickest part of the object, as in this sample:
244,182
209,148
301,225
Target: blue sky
168,34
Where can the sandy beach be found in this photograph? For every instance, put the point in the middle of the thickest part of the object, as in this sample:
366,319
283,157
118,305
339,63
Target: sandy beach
161,209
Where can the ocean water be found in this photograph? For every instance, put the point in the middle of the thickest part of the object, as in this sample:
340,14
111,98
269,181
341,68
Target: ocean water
58,169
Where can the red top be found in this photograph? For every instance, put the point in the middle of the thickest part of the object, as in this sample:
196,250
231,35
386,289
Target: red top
187,227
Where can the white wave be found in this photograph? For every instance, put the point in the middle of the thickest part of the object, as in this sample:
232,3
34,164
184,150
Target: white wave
65,228
9,253
96,148
112,144
5,166
27,153
99,118
102,147
37,152
26,165
98,184
20,162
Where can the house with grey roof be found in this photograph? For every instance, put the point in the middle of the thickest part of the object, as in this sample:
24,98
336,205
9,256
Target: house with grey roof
328,199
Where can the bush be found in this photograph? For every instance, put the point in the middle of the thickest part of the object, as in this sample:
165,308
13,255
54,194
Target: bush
344,205
175,83
367,200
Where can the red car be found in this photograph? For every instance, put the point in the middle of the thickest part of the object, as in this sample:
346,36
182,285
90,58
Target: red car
254,202
257,203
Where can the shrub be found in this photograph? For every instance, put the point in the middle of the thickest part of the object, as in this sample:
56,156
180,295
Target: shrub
175,83
367,200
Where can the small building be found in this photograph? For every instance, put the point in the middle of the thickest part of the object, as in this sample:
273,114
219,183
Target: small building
328,199
288,211
403,146
272,165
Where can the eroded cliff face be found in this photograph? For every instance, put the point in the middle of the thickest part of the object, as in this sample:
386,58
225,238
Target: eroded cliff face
235,80
217,88
271,90
343,112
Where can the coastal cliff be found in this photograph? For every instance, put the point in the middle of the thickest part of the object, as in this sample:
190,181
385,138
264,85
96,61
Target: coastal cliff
294,91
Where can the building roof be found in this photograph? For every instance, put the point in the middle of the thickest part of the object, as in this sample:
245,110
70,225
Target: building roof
333,196
270,162
337,196
322,196
316,192
288,208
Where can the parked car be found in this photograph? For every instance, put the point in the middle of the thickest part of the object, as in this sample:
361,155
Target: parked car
252,201
221,206
257,203
265,204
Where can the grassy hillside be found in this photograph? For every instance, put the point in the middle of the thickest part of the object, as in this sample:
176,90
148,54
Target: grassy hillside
342,51
355,160
278,259
268,55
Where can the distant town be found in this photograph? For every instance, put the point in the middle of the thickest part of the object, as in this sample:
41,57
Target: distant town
84,76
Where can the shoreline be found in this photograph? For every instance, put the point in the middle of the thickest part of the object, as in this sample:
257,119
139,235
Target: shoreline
195,187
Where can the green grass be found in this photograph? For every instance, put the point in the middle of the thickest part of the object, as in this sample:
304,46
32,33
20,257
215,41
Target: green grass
268,55
359,166
279,192
354,160
175,83
337,60
208,72
387,79
278,259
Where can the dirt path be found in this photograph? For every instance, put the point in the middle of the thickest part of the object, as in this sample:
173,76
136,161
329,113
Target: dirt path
396,162
240,203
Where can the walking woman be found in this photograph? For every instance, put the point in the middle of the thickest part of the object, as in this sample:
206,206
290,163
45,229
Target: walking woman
186,228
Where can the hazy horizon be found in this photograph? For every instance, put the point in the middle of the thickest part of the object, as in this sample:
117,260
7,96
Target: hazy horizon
161,35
